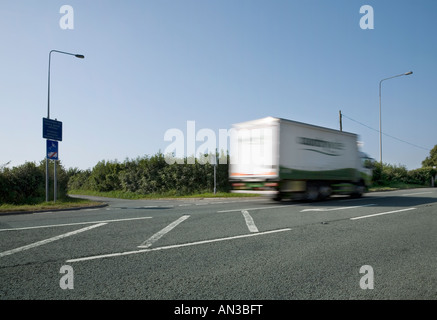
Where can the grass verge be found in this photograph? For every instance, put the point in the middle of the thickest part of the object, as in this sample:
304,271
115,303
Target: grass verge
67,203
395,186
172,195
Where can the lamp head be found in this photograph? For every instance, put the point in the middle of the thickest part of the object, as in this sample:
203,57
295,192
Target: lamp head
80,56
408,73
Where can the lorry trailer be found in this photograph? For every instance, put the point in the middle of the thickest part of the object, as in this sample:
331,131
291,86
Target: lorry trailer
295,160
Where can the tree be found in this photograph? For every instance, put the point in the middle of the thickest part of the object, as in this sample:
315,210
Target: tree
431,161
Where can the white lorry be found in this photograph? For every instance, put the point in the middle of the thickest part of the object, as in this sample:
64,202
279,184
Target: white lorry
294,160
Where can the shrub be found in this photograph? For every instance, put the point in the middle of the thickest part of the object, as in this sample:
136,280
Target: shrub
421,176
151,175
25,184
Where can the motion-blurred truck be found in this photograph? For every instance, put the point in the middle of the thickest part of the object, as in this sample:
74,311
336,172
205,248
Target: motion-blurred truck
294,160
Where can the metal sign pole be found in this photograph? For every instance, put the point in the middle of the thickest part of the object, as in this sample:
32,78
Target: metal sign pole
47,178
215,178
55,183
80,56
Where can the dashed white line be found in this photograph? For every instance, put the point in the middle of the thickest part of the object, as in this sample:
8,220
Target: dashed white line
335,209
175,246
249,221
159,234
74,224
360,199
259,208
382,213
413,194
40,243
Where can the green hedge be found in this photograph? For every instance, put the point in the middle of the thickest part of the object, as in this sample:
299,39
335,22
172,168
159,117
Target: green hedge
387,173
25,184
151,175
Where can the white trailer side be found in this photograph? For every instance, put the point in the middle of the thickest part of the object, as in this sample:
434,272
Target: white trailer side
291,158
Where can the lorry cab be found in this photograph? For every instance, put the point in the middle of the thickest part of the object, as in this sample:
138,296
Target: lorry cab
367,167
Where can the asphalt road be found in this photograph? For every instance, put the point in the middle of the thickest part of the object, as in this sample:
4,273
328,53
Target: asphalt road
226,249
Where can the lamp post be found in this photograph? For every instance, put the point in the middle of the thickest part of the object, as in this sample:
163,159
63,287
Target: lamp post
380,120
80,56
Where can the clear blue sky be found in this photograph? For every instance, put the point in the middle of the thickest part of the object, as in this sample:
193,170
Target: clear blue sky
154,65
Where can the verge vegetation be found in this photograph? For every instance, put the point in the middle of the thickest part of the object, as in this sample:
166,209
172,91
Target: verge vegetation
151,177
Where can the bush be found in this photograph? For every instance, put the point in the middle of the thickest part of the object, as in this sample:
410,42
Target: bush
387,174
421,176
151,175
79,180
104,177
25,184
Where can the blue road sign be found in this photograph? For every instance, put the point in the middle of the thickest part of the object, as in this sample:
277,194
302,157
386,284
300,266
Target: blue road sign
52,150
51,129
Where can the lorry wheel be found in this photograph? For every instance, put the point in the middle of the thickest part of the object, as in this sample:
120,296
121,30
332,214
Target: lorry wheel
324,192
359,190
312,193
277,197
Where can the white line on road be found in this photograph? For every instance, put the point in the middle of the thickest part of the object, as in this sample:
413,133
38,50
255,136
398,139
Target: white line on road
40,243
382,213
335,209
413,194
159,234
175,246
74,224
249,221
259,208
360,199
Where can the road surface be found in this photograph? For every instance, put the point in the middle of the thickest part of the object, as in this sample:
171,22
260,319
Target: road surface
382,246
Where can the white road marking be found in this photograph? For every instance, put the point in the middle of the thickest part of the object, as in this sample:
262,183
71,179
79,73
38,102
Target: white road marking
40,243
382,213
175,246
413,194
159,234
360,199
260,208
74,224
335,209
249,221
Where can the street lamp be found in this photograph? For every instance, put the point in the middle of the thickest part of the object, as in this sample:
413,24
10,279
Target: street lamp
80,56
380,121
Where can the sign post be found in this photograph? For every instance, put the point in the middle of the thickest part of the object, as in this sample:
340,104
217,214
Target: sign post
52,131
53,154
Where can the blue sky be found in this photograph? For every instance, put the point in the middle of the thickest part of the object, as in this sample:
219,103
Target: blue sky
151,66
